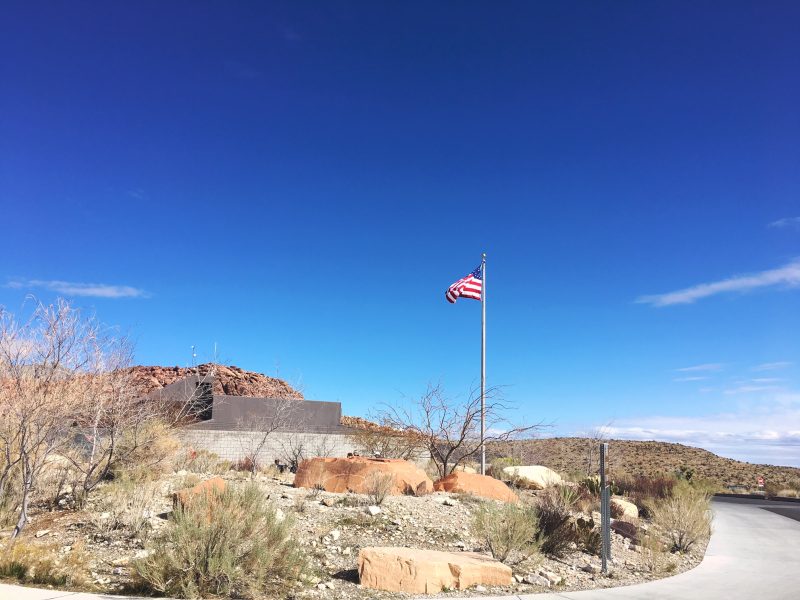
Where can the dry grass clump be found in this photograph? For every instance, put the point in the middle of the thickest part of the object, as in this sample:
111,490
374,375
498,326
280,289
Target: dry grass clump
39,564
684,516
147,452
230,544
125,507
508,530
202,461
378,486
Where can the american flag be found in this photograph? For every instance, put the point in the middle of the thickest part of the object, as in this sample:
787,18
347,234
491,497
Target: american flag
467,287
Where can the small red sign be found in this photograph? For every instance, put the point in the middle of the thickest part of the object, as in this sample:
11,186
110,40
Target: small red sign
760,482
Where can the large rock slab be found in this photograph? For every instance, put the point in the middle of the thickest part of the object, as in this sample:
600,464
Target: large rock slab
356,474
535,477
477,485
428,571
185,496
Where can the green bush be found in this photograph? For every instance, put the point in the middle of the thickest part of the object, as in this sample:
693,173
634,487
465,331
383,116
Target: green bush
230,544
685,516
508,530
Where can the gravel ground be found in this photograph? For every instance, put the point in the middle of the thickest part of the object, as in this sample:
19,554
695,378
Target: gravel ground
333,527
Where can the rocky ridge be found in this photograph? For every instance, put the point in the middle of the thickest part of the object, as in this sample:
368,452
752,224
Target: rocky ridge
228,380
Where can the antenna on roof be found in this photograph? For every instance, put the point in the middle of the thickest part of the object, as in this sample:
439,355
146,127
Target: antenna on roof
194,358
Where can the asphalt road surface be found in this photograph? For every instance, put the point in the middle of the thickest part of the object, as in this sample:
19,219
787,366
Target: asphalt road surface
754,554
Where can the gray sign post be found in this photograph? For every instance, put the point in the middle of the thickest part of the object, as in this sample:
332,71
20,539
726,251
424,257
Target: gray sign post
605,509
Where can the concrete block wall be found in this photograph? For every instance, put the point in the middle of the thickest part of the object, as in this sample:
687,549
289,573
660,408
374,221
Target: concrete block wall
233,445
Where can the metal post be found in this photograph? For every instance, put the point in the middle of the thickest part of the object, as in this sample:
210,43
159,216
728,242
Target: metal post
605,509
483,364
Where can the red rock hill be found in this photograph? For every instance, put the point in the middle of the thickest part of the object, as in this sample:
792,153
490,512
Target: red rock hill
228,380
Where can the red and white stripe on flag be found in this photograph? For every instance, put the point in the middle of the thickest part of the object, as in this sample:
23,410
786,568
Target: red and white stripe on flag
470,286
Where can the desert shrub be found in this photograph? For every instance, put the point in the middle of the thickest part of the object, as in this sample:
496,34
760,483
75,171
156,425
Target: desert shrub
616,511
378,486
202,461
644,491
685,473
508,530
556,530
497,465
125,507
685,516
55,479
591,485
244,464
229,544
145,452
589,540
653,555
300,503
39,564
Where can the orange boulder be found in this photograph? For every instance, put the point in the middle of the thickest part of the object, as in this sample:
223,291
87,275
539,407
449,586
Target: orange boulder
477,485
358,473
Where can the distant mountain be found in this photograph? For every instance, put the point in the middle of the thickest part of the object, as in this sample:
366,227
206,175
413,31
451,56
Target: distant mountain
228,380
645,458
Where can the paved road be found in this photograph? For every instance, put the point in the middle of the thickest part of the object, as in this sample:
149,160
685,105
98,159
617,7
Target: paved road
754,554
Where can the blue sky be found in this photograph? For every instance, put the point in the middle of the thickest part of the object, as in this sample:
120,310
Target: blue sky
300,182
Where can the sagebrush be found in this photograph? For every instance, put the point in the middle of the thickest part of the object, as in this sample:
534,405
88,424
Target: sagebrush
230,544
508,530
685,516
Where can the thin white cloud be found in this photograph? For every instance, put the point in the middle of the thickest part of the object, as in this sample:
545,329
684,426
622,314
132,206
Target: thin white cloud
762,433
750,389
786,276
786,222
773,366
90,290
703,367
696,378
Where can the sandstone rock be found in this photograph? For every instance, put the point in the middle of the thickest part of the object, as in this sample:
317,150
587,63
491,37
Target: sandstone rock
536,477
628,509
228,380
210,486
354,474
428,571
477,485
374,510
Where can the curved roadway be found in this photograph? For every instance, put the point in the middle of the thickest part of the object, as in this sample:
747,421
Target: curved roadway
754,553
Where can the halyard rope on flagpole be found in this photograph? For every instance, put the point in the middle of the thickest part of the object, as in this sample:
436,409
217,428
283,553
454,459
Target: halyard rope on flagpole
483,364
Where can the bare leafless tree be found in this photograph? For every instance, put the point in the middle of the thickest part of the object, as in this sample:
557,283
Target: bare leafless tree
386,442
256,428
449,428
43,362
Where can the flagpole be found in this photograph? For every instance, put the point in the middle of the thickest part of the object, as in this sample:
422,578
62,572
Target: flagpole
483,364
